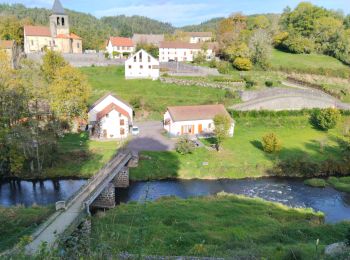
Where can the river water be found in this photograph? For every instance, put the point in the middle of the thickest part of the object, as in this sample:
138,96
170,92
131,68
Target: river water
291,192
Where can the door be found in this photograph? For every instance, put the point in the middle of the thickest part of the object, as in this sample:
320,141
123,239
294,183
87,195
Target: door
104,133
200,128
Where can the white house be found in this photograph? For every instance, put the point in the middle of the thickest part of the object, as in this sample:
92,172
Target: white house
142,66
119,47
110,118
197,37
183,51
193,120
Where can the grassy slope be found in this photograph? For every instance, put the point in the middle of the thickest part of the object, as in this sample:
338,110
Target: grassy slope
81,157
156,95
17,222
224,226
303,61
242,155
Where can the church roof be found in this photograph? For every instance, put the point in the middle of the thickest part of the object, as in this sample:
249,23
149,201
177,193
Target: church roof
58,8
37,31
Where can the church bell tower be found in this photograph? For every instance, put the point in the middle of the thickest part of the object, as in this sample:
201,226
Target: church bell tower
59,22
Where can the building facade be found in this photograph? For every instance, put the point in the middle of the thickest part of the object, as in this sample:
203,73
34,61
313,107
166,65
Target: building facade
198,37
183,51
119,47
56,37
110,118
152,39
142,66
194,120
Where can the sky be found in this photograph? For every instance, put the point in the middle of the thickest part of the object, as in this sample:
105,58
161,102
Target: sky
180,12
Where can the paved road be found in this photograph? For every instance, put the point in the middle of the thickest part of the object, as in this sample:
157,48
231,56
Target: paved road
151,138
287,99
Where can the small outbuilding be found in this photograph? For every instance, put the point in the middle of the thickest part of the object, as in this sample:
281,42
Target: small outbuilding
194,120
110,118
142,65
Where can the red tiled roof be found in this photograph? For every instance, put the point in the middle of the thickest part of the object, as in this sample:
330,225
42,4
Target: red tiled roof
109,109
121,41
68,36
187,45
6,44
37,31
189,113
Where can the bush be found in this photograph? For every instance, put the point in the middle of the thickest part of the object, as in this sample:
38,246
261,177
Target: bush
224,67
325,119
269,83
230,94
185,146
249,83
271,143
136,103
348,237
299,44
293,254
212,63
242,64
320,183
106,55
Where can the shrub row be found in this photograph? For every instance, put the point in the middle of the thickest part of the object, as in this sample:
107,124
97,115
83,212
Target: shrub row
282,113
312,85
339,73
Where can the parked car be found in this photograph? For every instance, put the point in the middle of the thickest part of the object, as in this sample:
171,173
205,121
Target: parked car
135,130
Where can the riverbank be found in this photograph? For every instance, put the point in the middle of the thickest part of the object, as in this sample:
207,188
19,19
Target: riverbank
304,150
218,226
341,184
17,222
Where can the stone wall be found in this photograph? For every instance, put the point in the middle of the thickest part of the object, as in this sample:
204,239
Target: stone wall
122,179
188,82
106,199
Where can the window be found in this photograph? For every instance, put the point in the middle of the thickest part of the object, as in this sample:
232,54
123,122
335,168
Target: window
62,21
135,58
78,45
149,66
149,59
32,42
140,57
58,21
141,66
122,131
129,66
107,115
122,122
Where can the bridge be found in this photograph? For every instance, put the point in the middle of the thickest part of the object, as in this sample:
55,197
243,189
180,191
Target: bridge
98,192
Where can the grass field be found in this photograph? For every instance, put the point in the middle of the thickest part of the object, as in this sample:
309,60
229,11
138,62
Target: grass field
242,156
222,226
309,63
16,222
155,95
80,157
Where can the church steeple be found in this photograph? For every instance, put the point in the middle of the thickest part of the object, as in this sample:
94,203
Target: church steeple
59,22
58,8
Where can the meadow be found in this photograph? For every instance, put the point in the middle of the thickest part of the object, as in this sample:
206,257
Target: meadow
220,226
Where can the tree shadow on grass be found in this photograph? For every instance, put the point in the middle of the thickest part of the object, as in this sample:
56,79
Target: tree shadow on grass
257,144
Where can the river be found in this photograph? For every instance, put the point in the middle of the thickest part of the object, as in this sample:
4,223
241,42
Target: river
291,192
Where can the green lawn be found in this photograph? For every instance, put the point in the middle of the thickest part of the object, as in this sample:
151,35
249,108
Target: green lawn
242,155
308,63
16,222
155,95
80,157
221,226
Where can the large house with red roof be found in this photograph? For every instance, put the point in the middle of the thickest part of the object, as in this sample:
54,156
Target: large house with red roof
110,118
56,37
119,47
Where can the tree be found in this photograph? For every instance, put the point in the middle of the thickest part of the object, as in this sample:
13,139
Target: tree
234,51
222,128
261,22
325,119
260,48
298,44
11,28
185,146
150,48
69,93
271,143
52,62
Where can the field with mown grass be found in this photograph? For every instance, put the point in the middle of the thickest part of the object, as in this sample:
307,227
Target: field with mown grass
220,226
16,222
80,157
155,95
242,156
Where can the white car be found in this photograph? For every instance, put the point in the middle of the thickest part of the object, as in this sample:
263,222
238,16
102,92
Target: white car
135,130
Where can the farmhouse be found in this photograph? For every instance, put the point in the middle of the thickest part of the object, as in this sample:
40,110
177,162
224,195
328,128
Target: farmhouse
183,51
110,118
119,47
142,66
197,37
57,37
193,120
153,39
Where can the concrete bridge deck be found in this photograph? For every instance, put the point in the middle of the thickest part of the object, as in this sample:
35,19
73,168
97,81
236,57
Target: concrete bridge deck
78,206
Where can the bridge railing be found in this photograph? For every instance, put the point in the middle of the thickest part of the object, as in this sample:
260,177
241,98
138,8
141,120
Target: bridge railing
102,172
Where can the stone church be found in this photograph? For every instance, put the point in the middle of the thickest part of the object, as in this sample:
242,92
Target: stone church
57,37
